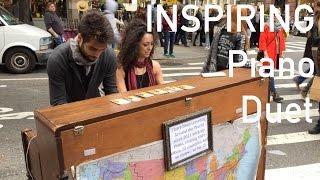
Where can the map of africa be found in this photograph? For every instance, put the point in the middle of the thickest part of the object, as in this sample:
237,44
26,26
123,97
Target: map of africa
236,152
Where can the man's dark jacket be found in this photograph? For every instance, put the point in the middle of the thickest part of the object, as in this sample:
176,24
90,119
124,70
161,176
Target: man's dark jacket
51,20
65,84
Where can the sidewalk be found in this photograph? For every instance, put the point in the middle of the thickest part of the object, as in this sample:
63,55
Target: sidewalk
182,53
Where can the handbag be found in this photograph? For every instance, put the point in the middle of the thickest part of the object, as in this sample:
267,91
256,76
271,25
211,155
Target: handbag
260,55
315,89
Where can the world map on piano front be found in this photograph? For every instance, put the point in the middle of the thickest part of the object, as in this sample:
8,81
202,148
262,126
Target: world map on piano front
236,152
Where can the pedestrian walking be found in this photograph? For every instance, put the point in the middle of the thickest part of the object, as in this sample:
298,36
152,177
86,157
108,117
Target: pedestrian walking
307,54
273,46
108,10
154,22
181,34
254,40
312,41
315,36
53,24
212,24
201,28
316,54
169,35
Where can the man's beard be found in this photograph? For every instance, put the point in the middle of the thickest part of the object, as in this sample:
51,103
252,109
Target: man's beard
84,55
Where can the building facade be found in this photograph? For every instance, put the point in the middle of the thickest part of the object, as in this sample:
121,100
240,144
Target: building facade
66,9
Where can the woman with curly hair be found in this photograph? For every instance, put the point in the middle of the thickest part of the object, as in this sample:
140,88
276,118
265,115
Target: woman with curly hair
135,68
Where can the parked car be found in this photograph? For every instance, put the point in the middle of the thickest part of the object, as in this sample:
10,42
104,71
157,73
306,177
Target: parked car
22,46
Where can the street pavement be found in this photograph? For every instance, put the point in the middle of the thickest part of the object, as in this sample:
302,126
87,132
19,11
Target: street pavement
291,152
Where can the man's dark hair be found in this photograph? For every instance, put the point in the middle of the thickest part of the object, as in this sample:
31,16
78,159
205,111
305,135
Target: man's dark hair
94,25
49,4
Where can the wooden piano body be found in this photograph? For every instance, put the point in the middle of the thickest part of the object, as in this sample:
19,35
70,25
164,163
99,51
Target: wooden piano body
58,146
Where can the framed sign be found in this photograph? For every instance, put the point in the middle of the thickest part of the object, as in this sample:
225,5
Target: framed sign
187,138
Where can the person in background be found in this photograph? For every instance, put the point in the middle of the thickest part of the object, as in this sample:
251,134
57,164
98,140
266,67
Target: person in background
255,23
307,54
201,28
53,24
169,35
84,67
273,46
315,36
209,34
181,34
135,67
141,13
212,24
154,22
223,42
108,10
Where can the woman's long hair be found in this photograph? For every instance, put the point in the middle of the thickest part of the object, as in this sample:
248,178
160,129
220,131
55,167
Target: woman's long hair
244,29
130,45
234,19
244,12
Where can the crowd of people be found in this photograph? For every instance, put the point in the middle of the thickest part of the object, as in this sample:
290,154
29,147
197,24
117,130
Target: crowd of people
87,66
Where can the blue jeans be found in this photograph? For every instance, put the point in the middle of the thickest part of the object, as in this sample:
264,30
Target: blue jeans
300,78
169,38
272,85
57,41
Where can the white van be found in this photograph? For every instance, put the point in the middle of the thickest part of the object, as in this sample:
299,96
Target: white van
22,46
